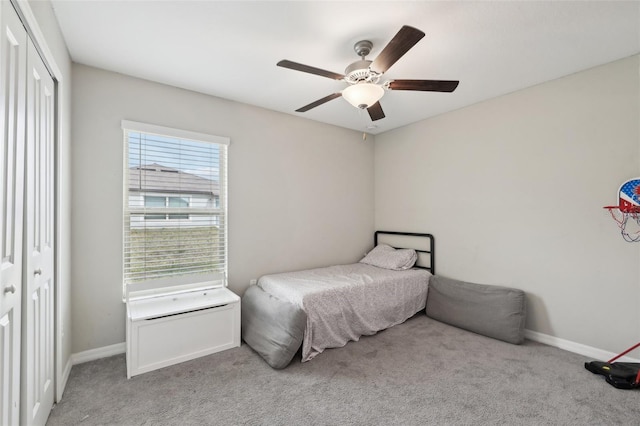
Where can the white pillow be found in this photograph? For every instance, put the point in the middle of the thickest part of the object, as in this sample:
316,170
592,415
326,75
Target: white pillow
387,257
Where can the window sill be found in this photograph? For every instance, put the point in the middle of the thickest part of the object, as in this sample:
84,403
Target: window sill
172,290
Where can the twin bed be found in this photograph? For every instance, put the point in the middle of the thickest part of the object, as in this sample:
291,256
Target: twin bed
327,307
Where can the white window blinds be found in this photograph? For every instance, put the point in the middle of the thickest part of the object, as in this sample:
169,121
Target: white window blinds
175,207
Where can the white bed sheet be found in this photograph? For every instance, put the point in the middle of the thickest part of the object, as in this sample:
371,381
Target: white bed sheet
345,302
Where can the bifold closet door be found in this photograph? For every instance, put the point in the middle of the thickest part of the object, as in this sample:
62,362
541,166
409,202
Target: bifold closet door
13,62
38,332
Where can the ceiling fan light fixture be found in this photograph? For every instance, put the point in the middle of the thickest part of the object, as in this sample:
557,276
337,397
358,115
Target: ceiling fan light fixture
363,95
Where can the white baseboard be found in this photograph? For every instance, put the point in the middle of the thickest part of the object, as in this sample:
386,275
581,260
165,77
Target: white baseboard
578,348
567,345
103,352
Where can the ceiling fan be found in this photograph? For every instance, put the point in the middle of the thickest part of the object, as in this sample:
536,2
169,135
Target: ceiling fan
365,90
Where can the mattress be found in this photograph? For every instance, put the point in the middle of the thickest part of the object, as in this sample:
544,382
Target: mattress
345,302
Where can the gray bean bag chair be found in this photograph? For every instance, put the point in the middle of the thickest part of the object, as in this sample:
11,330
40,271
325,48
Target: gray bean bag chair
272,327
490,310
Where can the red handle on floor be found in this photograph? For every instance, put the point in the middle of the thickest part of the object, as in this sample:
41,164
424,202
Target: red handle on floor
624,353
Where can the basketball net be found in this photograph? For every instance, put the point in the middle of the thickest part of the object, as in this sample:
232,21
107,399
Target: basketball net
621,216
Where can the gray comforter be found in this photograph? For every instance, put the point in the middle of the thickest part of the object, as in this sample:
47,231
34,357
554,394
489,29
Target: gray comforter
345,302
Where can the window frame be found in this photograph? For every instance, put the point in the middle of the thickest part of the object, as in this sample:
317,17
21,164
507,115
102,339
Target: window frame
191,281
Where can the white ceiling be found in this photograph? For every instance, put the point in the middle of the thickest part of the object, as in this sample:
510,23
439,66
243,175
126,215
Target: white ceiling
230,49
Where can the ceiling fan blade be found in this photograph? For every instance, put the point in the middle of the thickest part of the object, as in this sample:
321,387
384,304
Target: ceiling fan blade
311,70
319,102
400,44
424,85
375,112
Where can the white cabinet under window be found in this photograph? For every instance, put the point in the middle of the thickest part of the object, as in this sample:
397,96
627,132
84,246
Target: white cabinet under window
169,329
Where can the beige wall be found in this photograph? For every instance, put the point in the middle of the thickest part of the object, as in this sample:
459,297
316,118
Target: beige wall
513,189
300,192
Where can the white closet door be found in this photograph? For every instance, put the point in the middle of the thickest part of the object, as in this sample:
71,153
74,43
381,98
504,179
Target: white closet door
38,297
13,61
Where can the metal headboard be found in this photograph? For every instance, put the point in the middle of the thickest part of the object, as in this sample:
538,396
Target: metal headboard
431,252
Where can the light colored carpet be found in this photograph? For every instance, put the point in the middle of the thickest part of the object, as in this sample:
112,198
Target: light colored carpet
421,372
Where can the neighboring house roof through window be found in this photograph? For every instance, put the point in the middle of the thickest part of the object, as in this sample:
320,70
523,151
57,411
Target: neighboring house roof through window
158,178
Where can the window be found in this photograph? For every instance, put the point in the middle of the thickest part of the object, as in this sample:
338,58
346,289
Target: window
175,206
168,201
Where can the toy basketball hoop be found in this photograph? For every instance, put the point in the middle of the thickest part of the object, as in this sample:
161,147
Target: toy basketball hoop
628,207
